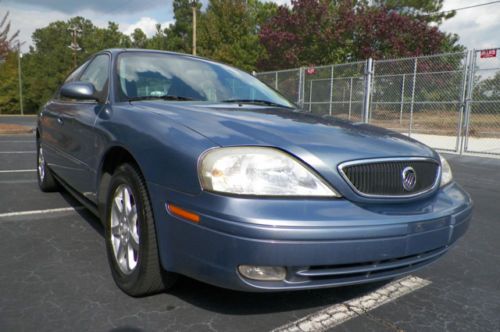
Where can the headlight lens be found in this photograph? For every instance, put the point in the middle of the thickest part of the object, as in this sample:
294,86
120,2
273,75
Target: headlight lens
259,171
446,175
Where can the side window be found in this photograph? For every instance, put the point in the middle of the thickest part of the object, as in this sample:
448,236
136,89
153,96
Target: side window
71,78
97,73
76,73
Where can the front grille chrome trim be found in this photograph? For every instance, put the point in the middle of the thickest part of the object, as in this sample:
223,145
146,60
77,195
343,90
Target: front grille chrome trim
373,267
343,165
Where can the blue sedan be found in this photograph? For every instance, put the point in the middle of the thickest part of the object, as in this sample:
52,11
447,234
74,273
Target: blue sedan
196,168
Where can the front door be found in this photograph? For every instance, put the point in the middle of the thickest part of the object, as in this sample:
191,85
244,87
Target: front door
76,121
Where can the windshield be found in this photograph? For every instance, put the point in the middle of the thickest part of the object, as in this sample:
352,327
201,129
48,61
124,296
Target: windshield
178,77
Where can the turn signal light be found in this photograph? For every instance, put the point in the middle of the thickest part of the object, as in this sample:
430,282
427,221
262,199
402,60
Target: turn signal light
184,214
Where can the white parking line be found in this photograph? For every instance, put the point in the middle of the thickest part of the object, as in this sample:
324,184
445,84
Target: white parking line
339,313
13,152
17,170
27,213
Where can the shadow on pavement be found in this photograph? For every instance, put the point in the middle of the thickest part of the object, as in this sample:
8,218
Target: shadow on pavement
231,302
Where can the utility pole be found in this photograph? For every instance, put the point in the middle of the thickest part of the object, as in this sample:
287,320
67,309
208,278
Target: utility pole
19,56
75,32
194,7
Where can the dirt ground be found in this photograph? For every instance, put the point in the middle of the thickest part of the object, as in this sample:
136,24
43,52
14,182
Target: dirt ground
7,128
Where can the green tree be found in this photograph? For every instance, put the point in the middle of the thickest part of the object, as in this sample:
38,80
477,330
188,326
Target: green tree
110,37
180,33
487,89
9,82
229,31
139,38
50,60
430,11
427,10
260,13
159,40
9,93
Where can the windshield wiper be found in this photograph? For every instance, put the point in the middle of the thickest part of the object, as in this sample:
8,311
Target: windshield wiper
165,97
255,101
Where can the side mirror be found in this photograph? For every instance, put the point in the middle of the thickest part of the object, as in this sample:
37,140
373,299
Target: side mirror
79,90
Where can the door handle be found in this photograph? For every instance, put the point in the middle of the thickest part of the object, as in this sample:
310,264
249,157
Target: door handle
60,121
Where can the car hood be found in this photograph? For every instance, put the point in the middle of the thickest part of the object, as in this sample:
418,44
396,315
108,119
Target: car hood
231,125
321,142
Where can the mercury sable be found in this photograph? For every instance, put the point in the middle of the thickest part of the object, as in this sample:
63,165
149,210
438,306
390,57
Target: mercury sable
196,168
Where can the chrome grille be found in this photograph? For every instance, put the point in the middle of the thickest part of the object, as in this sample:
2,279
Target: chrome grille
384,177
367,270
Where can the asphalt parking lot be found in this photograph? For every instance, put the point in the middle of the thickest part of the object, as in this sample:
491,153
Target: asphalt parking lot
54,274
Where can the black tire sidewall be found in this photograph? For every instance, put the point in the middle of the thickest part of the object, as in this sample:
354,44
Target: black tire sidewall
127,175
48,183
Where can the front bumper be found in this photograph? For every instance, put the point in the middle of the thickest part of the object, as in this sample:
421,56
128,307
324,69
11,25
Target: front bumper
322,243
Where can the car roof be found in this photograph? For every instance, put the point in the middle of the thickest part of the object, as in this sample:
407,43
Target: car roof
116,51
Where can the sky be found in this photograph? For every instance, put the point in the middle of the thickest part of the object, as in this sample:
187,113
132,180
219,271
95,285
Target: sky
478,27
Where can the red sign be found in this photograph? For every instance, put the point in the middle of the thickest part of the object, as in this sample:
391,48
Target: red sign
311,70
488,53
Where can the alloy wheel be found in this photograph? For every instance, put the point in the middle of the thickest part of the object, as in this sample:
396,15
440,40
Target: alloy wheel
124,229
41,164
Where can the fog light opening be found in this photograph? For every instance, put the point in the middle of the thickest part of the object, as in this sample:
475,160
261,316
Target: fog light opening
263,273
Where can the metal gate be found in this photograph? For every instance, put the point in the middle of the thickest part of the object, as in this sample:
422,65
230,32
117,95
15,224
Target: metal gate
482,129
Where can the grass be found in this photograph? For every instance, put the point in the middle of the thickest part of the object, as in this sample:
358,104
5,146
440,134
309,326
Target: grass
437,122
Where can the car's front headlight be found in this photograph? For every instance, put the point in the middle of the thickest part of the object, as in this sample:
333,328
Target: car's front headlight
259,171
446,175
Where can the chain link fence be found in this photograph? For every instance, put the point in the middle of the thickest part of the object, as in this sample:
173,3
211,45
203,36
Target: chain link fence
287,82
448,101
482,122
421,97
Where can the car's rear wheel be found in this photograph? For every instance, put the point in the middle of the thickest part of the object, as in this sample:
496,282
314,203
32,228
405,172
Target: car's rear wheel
46,180
131,237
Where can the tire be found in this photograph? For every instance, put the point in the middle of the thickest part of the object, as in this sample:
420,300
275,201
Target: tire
131,243
46,180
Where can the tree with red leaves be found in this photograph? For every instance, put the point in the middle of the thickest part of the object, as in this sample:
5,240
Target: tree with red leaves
5,40
324,32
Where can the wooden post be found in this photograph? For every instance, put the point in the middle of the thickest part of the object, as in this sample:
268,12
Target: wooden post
194,5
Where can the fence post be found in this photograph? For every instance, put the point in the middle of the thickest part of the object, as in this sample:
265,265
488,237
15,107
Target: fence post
368,87
303,86
413,95
464,102
402,101
331,92
468,101
350,100
299,90
310,94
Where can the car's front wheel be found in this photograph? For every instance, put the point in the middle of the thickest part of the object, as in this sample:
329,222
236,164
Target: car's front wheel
131,237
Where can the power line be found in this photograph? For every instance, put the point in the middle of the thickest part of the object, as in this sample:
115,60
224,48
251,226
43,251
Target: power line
468,7
370,3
